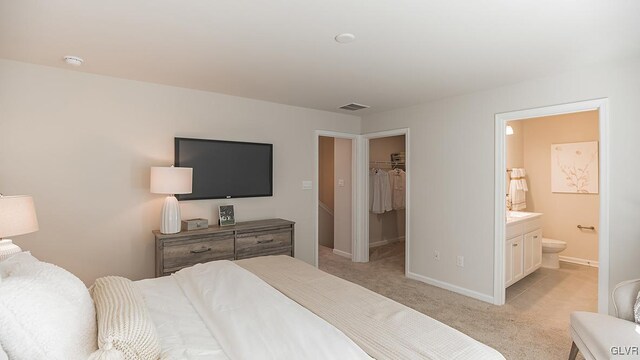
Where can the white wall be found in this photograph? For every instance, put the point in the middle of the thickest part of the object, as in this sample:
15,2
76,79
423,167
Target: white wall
452,154
82,145
342,201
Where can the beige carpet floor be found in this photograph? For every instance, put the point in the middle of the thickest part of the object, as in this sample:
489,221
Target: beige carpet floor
533,324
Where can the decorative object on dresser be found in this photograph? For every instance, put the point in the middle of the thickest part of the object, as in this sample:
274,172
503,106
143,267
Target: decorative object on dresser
194,224
171,181
240,241
226,215
17,217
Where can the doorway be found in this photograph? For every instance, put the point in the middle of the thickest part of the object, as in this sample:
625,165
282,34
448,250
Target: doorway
387,202
390,229
335,194
541,189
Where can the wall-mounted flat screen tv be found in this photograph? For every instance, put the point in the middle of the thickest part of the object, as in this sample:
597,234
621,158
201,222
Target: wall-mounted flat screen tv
226,169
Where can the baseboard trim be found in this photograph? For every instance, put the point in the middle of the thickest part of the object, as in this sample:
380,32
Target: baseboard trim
385,242
451,287
579,261
342,253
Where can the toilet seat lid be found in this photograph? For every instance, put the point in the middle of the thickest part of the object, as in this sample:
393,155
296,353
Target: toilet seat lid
553,242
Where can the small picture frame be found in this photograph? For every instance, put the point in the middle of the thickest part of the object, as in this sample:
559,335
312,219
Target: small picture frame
227,215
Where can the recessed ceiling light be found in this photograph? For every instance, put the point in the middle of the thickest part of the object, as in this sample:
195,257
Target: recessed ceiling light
73,60
345,38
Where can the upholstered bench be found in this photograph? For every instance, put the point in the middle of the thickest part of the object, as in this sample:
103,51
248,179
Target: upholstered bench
600,336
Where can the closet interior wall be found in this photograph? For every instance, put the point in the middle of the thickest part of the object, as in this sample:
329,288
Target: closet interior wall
389,226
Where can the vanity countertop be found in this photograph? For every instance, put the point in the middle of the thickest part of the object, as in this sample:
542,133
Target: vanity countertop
515,217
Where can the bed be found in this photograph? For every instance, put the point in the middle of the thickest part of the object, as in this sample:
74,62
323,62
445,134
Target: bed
271,307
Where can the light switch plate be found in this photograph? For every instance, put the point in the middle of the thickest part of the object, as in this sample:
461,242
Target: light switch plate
307,185
340,182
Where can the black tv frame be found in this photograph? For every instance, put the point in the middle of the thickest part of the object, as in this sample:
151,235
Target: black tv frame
177,164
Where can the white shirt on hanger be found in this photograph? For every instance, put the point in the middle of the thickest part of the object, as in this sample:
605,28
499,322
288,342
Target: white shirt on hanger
381,194
397,181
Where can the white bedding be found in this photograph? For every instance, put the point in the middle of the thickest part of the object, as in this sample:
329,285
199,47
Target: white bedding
182,333
219,310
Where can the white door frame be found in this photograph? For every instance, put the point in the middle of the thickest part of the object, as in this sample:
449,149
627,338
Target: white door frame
602,105
361,248
355,142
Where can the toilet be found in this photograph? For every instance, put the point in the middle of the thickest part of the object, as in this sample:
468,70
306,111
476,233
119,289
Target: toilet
550,250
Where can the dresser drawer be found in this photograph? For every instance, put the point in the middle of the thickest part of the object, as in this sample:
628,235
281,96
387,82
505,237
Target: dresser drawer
264,240
276,251
179,254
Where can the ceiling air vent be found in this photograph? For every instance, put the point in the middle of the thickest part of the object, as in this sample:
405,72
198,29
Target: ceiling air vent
353,107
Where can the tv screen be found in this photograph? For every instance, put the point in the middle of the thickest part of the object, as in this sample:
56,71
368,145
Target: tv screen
226,169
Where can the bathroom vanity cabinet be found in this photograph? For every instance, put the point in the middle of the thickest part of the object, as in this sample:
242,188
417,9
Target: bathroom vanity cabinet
523,246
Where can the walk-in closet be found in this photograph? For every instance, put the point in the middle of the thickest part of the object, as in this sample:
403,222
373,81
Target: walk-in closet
387,199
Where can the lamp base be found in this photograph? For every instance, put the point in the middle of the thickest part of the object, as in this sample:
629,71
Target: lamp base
8,248
170,223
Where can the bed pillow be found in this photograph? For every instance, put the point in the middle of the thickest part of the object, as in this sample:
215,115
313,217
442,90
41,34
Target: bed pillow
45,312
125,329
14,261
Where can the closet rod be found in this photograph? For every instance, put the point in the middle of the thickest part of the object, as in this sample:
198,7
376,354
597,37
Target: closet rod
387,162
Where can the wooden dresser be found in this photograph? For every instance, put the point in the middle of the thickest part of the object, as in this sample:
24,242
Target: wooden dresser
240,241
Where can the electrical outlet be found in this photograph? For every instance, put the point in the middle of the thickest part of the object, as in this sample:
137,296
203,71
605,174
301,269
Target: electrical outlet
460,261
436,255
340,182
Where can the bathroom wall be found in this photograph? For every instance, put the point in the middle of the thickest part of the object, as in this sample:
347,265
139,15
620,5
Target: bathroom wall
325,154
390,226
325,190
562,212
514,149
342,197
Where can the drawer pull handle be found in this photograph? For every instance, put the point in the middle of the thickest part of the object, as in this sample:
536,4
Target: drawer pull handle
200,251
265,241
514,245
535,237
586,227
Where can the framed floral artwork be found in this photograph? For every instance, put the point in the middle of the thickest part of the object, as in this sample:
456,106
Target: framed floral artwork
574,168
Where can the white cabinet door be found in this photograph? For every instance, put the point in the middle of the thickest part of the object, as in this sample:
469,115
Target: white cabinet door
513,266
532,251
508,264
516,259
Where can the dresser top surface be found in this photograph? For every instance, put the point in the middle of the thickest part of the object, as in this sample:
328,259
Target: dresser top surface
239,226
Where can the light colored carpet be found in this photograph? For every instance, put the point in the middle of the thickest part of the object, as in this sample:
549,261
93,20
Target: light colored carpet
534,324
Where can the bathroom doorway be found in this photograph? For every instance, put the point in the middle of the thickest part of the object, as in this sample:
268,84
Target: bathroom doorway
553,221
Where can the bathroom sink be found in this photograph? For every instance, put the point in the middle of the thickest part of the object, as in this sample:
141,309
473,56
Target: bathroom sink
515,216
519,214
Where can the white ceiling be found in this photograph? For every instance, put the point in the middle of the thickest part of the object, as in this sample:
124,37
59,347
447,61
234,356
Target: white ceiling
406,52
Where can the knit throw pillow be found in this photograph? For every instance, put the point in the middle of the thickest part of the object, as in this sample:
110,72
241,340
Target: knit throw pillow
125,329
636,308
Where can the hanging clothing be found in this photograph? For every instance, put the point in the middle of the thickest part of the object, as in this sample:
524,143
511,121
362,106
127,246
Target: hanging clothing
397,181
517,189
372,173
379,191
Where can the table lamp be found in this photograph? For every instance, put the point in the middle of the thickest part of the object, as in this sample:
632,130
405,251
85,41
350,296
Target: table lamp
17,217
171,181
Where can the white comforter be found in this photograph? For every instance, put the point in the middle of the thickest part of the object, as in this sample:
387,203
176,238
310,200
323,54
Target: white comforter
219,310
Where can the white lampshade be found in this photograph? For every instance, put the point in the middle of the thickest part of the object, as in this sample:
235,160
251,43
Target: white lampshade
171,180
17,216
